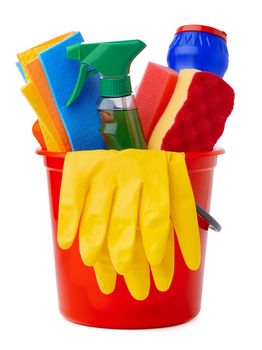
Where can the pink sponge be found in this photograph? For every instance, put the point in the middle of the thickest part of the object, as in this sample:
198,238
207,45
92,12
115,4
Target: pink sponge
153,95
201,120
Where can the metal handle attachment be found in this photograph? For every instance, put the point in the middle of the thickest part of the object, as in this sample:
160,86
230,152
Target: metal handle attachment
206,221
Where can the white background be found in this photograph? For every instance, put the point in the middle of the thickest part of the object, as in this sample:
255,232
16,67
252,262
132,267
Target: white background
232,299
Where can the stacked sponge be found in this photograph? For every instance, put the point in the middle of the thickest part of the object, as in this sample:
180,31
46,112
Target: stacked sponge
183,112
38,94
50,79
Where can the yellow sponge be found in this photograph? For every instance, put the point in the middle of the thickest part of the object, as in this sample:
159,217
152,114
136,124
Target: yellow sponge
176,102
53,142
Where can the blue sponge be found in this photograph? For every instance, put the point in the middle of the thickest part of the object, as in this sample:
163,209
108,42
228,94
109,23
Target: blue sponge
81,119
18,65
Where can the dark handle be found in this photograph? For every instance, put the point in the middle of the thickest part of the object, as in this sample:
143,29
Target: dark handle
206,221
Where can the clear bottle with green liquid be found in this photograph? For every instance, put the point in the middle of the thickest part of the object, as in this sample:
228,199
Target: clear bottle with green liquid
120,124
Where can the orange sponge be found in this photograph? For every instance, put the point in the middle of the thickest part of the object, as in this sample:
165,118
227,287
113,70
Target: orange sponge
153,95
37,132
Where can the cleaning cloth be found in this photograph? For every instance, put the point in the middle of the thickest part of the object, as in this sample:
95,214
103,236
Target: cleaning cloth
126,219
81,119
153,94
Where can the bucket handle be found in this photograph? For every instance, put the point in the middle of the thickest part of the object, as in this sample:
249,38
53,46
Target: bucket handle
206,221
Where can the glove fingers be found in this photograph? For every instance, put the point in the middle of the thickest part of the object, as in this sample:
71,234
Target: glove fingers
183,211
79,167
94,221
72,197
155,209
164,272
137,278
123,225
105,272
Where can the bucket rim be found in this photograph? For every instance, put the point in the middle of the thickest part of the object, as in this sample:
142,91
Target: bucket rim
189,155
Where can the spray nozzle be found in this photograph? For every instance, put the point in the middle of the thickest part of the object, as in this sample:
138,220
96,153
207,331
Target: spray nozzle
111,59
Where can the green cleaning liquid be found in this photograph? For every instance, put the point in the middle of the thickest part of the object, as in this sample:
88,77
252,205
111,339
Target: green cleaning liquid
121,129
120,124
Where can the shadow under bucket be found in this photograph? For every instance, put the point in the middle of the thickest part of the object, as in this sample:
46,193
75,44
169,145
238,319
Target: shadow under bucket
80,299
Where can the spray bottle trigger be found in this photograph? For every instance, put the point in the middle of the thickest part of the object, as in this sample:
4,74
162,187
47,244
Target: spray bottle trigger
84,73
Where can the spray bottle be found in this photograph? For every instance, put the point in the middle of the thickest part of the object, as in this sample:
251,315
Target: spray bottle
120,125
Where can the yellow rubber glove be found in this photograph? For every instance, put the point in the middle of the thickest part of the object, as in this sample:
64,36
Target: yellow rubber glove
183,209
141,200
105,272
163,273
83,173
120,203
79,172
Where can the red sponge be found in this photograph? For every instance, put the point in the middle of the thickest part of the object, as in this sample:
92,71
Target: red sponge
153,95
201,120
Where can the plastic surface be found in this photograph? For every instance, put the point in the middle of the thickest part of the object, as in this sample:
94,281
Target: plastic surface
112,60
202,28
80,299
198,49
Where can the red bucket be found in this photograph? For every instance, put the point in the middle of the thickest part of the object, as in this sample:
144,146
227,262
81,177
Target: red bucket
80,299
